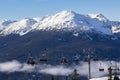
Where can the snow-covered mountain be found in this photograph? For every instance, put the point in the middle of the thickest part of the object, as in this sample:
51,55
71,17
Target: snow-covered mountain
65,20
72,34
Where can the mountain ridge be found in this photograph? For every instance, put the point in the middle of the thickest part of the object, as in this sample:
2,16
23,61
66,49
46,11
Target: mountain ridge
65,20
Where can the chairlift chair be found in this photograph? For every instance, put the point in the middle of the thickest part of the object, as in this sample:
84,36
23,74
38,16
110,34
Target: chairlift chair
76,59
95,59
101,68
30,61
85,60
43,58
64,60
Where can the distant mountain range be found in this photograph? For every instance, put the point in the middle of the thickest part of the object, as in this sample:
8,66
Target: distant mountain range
65,20
65,33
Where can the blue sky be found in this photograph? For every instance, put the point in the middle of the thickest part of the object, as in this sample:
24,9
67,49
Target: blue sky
18,9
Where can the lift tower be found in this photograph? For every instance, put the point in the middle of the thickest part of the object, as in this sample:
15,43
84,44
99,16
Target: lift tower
89,52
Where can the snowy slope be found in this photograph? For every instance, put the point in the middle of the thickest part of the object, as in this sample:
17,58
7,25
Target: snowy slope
116,27
19,27
65,20
4,23
103,78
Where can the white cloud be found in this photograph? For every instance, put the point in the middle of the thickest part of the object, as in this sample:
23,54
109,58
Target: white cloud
57,70
10,66
82,68
15,66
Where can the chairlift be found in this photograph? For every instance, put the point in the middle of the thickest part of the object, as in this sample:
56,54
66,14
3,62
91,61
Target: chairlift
95,56
101,68
43,58
85,60
63,60
76,59
30,61
95,59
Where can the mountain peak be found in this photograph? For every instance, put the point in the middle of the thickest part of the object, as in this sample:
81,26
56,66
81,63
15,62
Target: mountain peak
67,12
98,16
